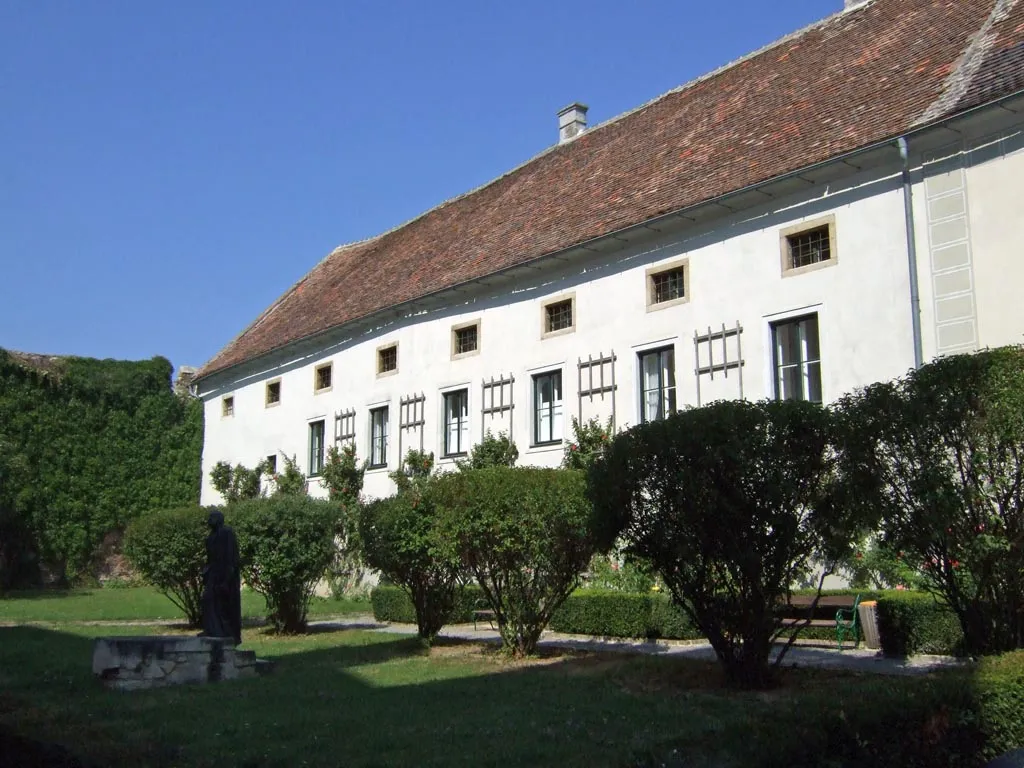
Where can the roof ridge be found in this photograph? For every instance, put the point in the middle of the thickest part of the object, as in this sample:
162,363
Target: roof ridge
622,115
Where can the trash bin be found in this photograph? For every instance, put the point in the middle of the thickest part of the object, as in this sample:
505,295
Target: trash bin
869,623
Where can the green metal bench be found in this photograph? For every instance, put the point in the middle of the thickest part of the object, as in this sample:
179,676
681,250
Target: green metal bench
846,622
482,612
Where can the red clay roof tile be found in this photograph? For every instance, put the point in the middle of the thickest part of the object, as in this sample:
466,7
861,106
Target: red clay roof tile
858,77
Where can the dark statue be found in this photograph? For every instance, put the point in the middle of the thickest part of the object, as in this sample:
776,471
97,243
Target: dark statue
222,582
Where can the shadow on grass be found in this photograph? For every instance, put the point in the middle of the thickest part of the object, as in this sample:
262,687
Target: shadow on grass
344,697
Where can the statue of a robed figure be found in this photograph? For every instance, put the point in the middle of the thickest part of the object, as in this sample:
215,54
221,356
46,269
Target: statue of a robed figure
222,582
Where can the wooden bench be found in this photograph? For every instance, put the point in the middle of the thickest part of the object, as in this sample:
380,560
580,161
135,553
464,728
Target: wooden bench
482,612
845,621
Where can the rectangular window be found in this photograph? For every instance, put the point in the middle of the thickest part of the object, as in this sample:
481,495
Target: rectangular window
387,359
808,246
227,406
558,316
668,285
547,408
456,422
316,448
465,339
323,377
272,464
797,359
379,437
657,383
273,393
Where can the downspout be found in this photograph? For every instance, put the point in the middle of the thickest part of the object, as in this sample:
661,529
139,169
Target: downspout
915,291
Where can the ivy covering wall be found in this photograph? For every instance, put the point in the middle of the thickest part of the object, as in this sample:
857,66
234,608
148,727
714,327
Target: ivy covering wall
87,446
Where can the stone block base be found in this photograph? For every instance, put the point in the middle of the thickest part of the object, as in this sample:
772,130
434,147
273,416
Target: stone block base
137,662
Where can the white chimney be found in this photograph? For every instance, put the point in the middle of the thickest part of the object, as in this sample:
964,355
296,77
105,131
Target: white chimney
572,121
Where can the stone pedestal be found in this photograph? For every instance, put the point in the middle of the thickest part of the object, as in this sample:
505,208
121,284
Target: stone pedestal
151,661
868,611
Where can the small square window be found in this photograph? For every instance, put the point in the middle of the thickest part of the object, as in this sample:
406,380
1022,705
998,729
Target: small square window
668,285
559,316
465,339
387,359
273,393
809,246
227,406
322,377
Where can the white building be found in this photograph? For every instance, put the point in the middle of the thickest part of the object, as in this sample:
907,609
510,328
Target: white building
822,214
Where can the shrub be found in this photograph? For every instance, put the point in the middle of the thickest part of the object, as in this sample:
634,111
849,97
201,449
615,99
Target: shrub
618,573
939,455
168,548
729,503
238,482
524,535
401,538
97,444
606,613
416,467
292,481
285,543
393,604
492,451
590,438
912,623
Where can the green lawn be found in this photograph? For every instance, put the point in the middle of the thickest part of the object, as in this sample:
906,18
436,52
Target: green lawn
133,604
357,698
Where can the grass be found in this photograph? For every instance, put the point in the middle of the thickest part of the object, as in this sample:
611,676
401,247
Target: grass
358,698
134,604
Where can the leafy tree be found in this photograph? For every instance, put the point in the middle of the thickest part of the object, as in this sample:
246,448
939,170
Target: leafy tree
401,538
168,548
492,451
524,535
238,482
342,475
292,481
730,504
285,543
875,565
939,456
590,439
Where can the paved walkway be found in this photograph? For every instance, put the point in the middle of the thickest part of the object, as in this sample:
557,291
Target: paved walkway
856,659
860,659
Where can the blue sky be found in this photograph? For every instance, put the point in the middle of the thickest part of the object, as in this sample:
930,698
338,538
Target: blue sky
167,170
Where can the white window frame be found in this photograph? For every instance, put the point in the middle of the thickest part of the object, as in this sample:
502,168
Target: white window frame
315,469
666,393
535,409
385,438
804,363
465,441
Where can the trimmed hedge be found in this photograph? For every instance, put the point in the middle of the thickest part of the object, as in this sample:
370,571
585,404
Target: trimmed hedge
606,613
391,603
912,622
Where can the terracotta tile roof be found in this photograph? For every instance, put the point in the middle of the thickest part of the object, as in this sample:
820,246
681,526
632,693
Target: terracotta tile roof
864,75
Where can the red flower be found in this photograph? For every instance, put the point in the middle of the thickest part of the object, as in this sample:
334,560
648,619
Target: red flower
572,447
955,563
860,556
